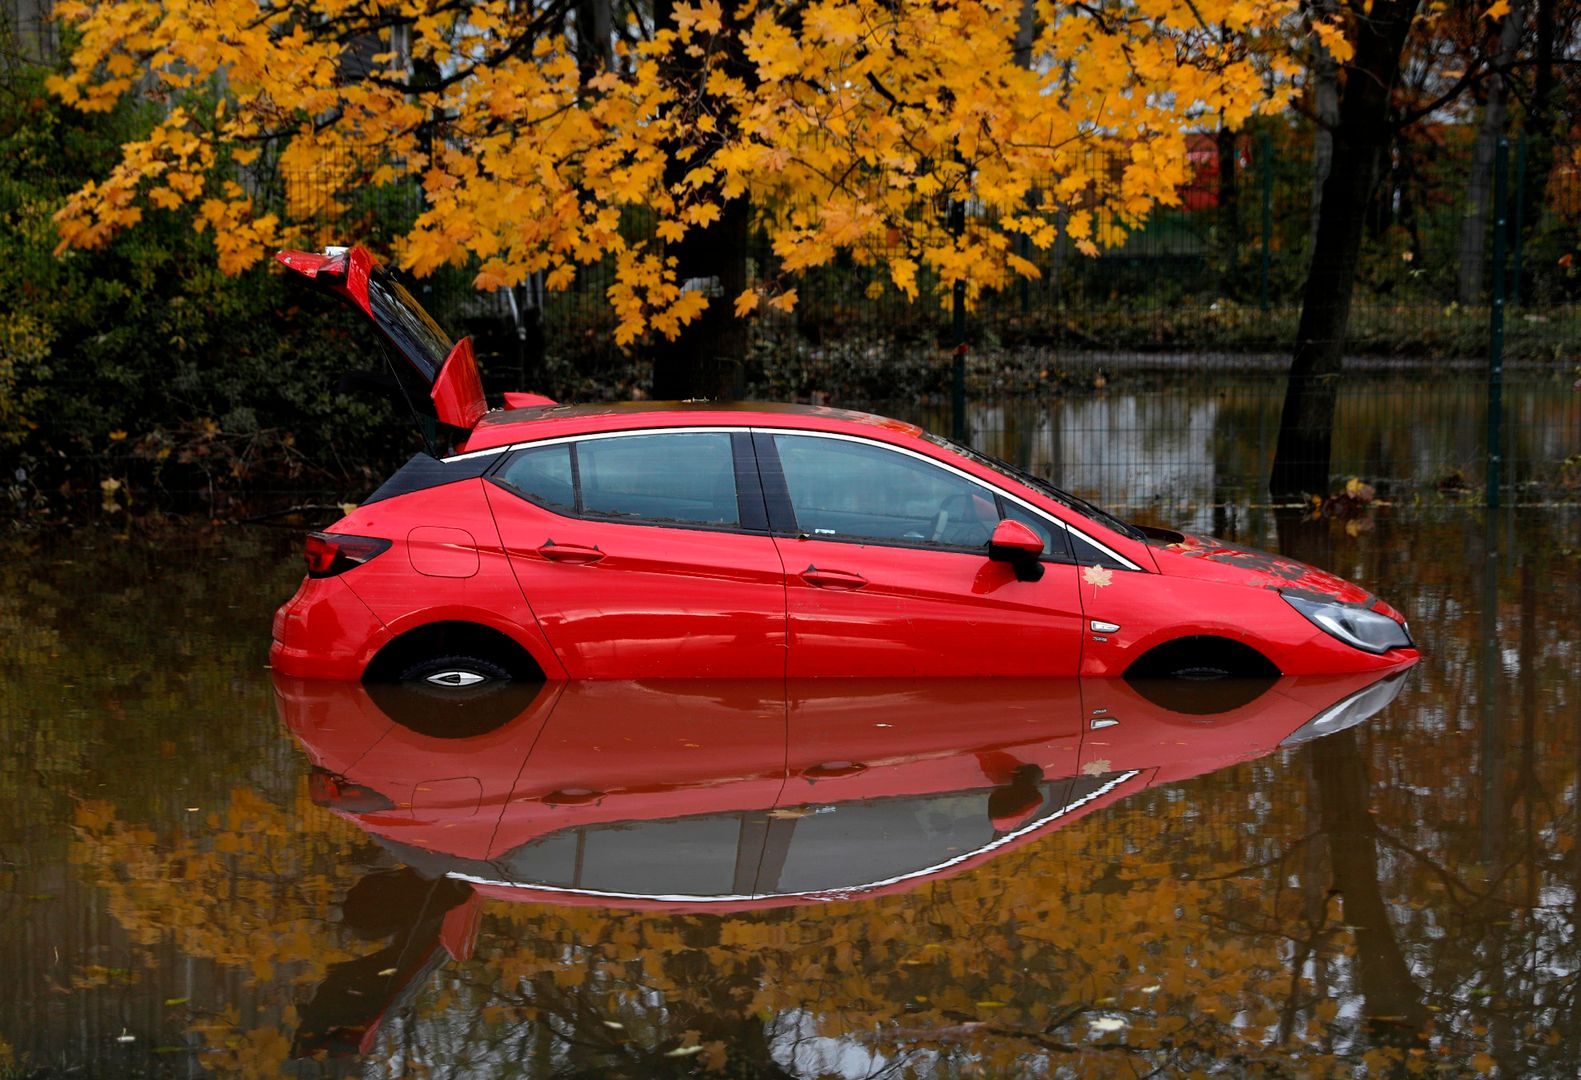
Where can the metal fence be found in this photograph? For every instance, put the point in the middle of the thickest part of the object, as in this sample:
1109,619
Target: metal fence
1154,373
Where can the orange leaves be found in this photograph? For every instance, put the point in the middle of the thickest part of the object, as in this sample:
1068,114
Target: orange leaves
707,16
646,297
850,125
1331,35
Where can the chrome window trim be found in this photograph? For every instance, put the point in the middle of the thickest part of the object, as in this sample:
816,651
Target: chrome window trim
963,474
841,436
837,892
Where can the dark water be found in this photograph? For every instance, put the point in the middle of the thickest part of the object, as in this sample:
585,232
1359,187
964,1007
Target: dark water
853,880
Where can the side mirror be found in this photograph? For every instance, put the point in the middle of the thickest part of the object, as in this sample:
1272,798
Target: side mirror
1018,545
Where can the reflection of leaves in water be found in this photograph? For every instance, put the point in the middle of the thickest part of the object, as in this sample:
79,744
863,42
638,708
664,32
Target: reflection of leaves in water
1180,909
252,890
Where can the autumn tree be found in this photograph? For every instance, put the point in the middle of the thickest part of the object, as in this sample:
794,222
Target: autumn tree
839,127
1398,63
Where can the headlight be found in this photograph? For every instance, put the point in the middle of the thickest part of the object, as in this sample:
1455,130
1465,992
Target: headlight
1356,626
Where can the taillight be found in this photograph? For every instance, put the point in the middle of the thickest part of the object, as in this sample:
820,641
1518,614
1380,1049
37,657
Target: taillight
329,554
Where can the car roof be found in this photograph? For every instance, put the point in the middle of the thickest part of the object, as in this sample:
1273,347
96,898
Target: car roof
547,421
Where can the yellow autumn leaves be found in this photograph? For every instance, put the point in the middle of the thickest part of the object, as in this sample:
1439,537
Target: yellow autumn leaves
850,125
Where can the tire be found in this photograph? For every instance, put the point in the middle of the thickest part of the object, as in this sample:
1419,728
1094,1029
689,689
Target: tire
1199,672
483,697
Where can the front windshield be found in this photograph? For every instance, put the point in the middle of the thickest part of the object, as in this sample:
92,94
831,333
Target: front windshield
1040,485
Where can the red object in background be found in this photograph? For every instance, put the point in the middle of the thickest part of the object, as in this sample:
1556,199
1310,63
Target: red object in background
706,540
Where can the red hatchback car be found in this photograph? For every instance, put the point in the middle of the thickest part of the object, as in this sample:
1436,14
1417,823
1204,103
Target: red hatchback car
704,539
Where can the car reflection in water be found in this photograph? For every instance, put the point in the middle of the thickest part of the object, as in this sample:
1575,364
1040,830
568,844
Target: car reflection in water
735,795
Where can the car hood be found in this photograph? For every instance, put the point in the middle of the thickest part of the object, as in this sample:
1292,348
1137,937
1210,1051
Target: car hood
1208,559
438,377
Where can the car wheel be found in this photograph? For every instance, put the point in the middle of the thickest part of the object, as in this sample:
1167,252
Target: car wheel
454,697
459,673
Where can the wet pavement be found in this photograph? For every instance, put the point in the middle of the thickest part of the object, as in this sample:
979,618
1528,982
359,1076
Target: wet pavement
210,871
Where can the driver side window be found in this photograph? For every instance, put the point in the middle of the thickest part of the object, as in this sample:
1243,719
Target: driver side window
844,490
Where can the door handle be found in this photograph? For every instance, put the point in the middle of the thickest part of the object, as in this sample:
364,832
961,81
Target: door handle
832,579
569,553
833,770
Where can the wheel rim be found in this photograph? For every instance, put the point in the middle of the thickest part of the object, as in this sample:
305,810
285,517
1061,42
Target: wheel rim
455,677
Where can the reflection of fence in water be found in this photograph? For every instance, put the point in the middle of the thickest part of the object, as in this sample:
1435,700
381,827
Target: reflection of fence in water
1193,443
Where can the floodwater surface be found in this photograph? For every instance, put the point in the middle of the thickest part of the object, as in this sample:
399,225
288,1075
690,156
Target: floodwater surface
209,870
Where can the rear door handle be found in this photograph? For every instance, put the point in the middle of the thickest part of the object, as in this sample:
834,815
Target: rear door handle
569,553
832,579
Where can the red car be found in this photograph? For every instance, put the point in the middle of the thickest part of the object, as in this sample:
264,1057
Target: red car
708,540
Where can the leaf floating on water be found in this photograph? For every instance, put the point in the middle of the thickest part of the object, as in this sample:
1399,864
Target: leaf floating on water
683,1051
1106,1025
616,1024
387,971
991,1004
177,1001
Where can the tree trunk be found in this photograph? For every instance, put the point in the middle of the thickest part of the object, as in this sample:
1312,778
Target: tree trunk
1538,127
1026,33
707,358
594,45
1229,217
1474,221
1306,426
1325,110
1391,1000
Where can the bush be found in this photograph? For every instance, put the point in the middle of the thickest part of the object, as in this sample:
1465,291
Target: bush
141,363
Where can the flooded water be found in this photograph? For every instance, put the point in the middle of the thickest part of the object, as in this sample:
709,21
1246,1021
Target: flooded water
1187,445
210,871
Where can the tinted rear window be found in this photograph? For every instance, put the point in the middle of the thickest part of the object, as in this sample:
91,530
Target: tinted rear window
542,474
403,320
685,477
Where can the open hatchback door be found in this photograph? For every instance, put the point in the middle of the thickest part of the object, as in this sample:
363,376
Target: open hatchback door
438,377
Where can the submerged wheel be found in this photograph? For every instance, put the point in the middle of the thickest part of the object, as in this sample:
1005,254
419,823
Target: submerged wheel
1197,672
459,673
454,697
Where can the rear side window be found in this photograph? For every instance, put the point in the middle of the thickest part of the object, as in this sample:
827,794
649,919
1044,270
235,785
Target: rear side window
686,478
542,474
